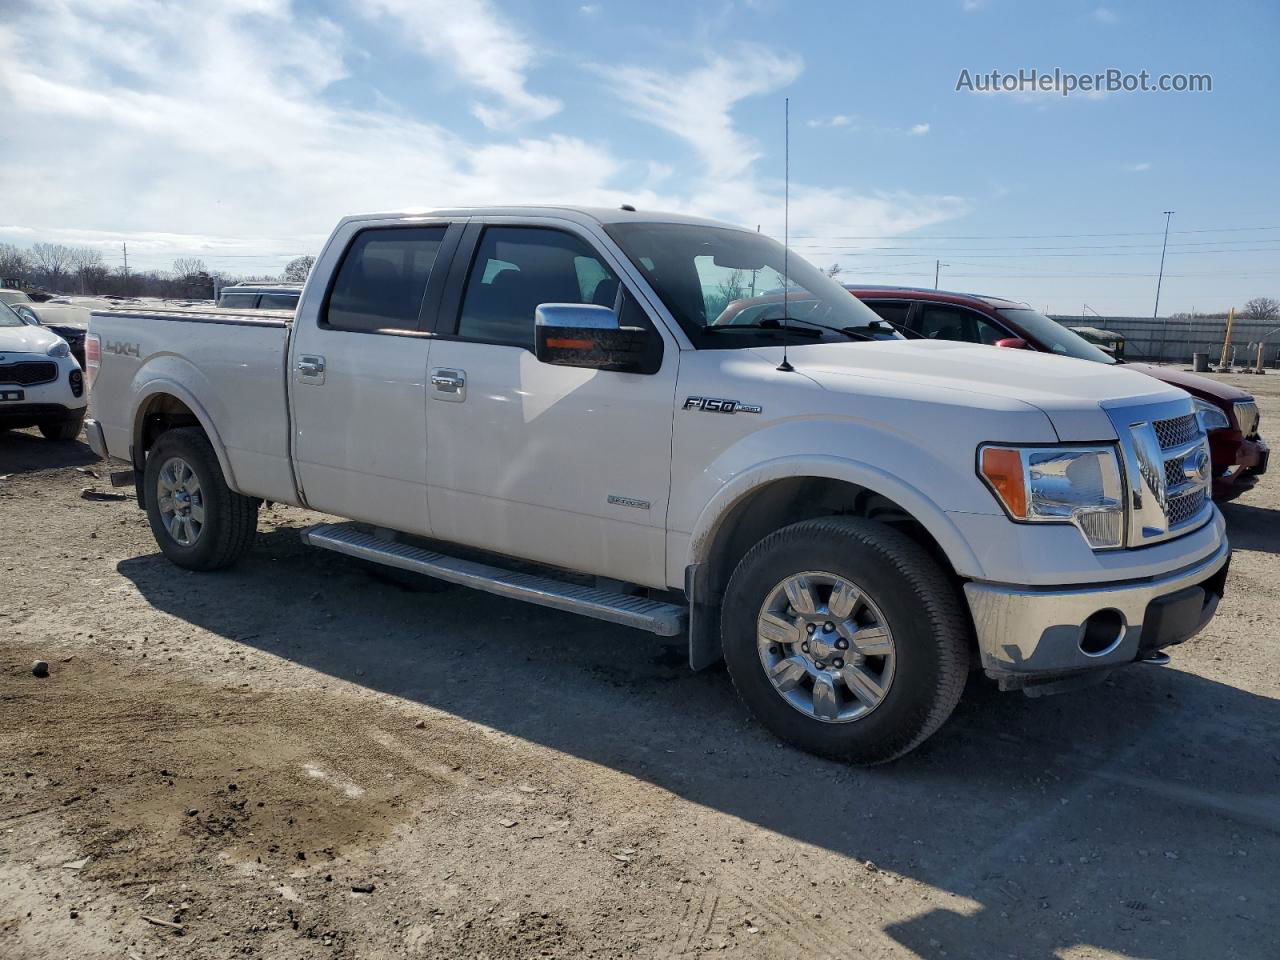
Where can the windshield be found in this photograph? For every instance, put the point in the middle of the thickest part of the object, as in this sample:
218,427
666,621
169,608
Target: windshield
1051,335
725,287
13,296
8,318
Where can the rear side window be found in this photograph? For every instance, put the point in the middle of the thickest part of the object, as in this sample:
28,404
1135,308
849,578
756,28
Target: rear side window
278,301
895,311
382,279
516,269
238,301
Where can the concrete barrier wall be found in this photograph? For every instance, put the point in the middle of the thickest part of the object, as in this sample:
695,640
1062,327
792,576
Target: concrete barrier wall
1176,340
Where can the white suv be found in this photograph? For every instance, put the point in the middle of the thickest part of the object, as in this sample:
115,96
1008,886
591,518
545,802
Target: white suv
41,385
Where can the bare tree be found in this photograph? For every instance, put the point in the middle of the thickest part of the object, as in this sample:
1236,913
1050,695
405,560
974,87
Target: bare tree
1262,308
298,268
188,267
14,262
86,263
834,270
53,261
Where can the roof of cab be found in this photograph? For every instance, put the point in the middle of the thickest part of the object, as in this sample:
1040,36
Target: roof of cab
601,215
928,293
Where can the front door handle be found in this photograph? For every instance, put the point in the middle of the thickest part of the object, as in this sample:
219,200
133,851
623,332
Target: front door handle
311,369
449,384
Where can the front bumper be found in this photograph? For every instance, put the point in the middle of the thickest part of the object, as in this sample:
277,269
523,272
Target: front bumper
1246,461
1033,634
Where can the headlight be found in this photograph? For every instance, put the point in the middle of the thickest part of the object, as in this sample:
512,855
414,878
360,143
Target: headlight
1079,485
60,349
1210,417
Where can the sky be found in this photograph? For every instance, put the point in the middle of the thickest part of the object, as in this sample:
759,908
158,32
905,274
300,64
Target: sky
239,131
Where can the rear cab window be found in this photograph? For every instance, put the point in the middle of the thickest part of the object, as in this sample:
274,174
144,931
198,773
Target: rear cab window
382,279
238,301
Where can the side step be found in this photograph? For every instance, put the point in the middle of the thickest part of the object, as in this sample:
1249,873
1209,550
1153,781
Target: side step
664,619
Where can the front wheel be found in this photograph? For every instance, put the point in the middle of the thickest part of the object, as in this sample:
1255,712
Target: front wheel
845,638
198,521
61,429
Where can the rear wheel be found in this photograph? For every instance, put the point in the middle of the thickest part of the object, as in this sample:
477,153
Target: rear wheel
61,429
198,521
845,638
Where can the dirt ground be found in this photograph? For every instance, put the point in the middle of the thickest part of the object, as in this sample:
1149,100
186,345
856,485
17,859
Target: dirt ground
296,759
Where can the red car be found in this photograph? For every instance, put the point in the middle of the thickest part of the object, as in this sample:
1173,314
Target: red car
1229,415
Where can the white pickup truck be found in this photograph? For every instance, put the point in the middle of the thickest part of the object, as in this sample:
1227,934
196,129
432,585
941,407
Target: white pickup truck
634,416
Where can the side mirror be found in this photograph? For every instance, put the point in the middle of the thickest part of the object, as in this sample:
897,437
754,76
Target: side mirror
1014,343
27,314
586,335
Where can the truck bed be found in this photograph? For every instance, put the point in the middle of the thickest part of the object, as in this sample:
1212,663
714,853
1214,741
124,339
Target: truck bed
226,366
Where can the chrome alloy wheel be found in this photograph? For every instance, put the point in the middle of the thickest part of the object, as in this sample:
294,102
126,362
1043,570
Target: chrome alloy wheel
825,647
180,501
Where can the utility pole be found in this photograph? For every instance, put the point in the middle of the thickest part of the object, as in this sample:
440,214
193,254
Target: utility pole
1164,337
125,247
937,266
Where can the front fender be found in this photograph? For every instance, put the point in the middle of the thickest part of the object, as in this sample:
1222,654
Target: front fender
159,378
906,495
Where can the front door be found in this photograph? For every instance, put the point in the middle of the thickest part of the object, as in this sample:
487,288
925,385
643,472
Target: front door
553,463
359,371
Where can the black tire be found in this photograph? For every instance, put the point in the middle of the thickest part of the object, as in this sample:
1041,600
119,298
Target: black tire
231,520
61,429
921,606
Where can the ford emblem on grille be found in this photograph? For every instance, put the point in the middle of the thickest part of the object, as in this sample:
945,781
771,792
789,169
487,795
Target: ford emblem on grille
1196,467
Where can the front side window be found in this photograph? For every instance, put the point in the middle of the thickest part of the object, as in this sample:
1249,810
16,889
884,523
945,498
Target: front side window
729,288
518,268
1054,336
383,278
895,311
940,322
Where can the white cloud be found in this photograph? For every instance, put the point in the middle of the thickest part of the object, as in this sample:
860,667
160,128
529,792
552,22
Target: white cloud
919,130
1138,167
479,45
589,9
214,131
696,106
1105,15
839,120
972,6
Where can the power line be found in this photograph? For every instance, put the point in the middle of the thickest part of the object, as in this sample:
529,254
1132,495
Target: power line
1034,236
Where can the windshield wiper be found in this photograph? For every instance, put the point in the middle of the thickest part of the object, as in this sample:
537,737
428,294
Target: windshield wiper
772,326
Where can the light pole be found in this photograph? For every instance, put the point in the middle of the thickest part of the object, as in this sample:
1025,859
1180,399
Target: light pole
1164,336
937,266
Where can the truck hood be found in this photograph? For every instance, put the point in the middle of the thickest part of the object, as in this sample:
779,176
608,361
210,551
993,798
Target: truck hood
1070,392
26,339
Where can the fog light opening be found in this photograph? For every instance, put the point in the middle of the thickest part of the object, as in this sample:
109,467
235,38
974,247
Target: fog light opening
1103,632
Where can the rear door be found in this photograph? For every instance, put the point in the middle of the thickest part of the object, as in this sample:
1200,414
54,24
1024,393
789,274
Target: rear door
359,373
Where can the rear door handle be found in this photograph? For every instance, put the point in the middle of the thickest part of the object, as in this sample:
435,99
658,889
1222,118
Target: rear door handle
311,369
450,385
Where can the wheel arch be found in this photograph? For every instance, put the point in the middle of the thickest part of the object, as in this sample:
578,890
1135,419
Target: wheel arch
787,491
164,404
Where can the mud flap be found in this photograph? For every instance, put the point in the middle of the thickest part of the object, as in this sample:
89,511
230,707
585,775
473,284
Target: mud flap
704,620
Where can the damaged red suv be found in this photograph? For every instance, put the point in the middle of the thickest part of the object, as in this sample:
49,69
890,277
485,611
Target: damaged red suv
1229,415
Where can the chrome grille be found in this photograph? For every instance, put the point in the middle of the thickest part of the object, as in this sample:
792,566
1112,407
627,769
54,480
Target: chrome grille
1247,417
1173,476
1176,431
1183,508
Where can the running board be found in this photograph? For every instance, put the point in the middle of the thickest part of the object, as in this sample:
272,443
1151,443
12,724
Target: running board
664,619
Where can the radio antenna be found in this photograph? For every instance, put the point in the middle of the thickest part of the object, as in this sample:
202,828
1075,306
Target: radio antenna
785,366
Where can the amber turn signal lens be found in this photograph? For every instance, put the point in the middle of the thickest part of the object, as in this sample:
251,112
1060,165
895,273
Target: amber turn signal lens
1002,469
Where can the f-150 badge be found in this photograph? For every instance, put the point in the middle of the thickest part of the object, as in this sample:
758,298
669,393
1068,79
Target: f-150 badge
715,405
